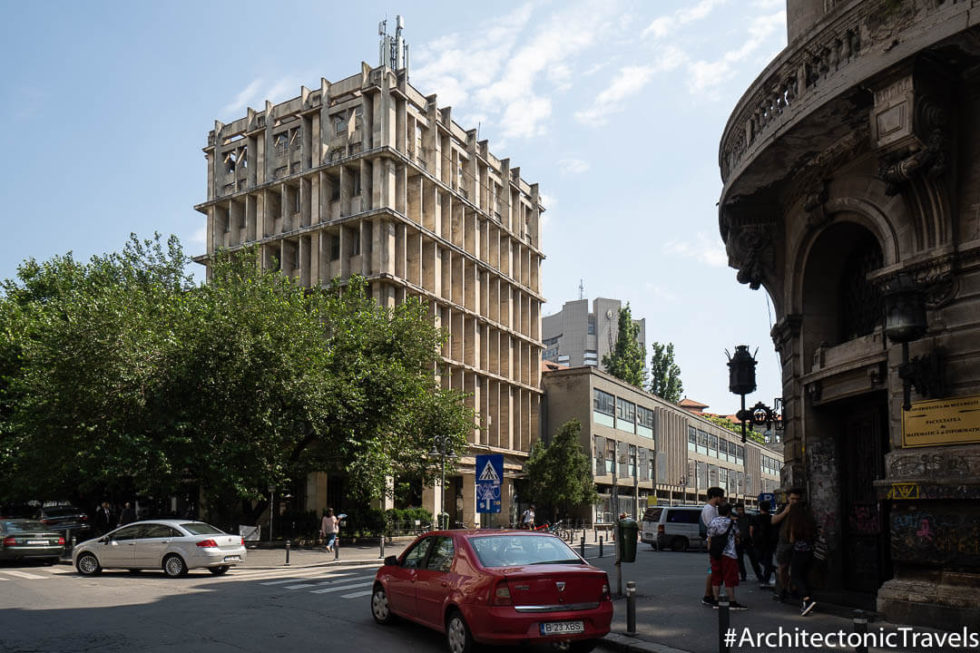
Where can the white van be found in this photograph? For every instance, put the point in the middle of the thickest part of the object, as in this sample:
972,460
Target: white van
677,528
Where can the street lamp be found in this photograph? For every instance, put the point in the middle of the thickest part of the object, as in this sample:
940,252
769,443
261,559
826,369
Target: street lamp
905,321
741,379
442,447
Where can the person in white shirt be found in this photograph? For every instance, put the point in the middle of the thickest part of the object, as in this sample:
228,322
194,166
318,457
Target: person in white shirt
527,519
716,496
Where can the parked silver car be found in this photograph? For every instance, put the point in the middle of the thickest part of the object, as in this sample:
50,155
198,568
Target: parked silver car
174,545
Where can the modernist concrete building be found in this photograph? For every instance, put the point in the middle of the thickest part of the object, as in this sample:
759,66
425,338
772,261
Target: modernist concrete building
641,445
369,176
851,169
574,336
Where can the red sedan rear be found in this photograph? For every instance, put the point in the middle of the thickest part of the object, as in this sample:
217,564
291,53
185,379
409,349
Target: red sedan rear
495,587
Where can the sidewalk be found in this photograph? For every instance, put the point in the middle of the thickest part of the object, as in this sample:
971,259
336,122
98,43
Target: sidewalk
275,557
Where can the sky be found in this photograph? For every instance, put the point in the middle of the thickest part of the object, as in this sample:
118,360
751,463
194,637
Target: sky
614,108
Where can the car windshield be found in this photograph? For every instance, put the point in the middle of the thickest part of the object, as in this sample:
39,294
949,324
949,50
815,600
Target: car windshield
200,528
513,550
23,526
61,511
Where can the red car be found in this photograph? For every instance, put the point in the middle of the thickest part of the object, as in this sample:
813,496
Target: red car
495,587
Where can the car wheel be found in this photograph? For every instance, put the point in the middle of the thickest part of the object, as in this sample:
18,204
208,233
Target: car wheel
217,571
174,566
380,609
88,565
458,634
679,544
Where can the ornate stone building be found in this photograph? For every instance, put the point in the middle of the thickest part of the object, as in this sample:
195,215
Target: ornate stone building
852,162
368,176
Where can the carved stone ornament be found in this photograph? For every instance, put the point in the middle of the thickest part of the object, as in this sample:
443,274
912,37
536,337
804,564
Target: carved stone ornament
785,330
755,254
930,158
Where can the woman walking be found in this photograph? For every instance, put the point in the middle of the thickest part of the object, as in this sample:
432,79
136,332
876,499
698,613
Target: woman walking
328,528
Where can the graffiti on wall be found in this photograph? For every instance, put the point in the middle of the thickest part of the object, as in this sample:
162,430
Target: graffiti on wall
943,535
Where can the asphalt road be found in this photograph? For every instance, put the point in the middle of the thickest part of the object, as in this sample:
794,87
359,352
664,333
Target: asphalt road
54,609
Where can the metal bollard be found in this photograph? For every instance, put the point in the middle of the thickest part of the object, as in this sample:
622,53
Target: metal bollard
861,626
73,542
287,552
582,545
336,547
631,608
723,621
382,556
600,546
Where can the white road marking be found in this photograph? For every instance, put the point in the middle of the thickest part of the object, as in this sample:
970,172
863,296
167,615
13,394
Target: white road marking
24,574
355,595
342,587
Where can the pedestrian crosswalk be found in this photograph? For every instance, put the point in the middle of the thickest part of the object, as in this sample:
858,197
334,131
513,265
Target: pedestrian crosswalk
34,573
342,582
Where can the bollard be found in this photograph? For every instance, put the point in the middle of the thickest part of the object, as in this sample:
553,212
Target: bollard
583,546
287,552
861,626
723,607
382,556
631,608
600,546
73,542
336,547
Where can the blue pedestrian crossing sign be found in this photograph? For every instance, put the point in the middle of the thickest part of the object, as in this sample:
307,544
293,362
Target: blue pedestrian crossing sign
489,476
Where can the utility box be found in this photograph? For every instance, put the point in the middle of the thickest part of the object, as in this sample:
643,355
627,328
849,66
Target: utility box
626,530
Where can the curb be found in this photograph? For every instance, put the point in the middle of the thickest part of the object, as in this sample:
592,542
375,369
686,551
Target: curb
619,642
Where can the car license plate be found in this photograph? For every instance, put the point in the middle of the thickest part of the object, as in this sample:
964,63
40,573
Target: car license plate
44,542
562,627
232,558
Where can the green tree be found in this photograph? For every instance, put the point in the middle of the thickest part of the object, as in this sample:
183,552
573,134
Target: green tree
559,473
625,361
120,373
665,375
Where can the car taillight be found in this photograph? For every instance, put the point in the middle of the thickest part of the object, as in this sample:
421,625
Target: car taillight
501,594
243,541
605,593
61,541
10,541
205,544
660,528
46,521
84,517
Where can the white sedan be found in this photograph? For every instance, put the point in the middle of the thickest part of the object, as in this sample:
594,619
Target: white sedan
174,545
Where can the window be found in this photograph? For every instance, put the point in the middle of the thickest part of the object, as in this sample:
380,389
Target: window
441,558
357,184
355,248
591,324
611,456
297,206
713,445
340,123
158,530
415,557
602,402
280,143
625,415
644,421
702,443
692,438
128,533
334,248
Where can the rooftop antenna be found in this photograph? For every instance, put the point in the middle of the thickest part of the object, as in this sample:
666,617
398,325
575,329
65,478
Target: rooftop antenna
393,51
581,289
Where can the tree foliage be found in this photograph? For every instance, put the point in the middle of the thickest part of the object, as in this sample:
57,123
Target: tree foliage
559,474
665,375
626,359
121,373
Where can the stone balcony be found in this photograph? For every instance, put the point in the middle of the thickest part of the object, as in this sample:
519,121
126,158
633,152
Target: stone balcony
789,112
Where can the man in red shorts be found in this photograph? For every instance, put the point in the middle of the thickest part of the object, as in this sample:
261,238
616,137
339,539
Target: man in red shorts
724,559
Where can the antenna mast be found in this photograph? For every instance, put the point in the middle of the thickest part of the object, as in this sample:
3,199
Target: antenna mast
393,50
581,289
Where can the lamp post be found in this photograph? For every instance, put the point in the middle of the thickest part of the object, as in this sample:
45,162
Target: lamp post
741,379
441,446
905,321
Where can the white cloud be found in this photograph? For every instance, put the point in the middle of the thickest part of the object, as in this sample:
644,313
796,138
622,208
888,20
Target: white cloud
258,91
659,292
511,70
664,25
705,75
707,250
245,97
628,82
572,166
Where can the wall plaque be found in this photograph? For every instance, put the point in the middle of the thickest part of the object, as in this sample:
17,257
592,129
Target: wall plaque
942,421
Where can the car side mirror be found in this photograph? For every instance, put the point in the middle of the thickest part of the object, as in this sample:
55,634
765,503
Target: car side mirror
391,561
104,539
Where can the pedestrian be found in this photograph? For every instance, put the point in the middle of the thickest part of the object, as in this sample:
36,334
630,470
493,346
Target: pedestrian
764,538
716,496
744,545
722,536
527,519
784,549
801,529
329,526
103,518
128,515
